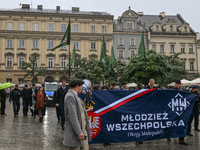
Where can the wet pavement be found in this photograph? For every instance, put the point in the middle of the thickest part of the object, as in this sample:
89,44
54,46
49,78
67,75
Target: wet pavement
26,133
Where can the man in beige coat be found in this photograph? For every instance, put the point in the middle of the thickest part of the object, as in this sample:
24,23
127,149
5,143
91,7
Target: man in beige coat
77,131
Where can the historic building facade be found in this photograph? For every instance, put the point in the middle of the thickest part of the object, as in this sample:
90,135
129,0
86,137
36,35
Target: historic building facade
127,32
28,32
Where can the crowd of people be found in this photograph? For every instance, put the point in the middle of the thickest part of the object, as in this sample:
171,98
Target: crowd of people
71,110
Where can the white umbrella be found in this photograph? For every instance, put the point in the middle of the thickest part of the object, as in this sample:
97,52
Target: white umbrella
38,85
131,85
21,85
195,81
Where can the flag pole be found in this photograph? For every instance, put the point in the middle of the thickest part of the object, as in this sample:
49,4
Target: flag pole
69,64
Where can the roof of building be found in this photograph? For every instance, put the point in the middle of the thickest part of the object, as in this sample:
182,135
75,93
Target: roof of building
35,10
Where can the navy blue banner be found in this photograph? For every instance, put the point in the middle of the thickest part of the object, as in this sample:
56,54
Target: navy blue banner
139,115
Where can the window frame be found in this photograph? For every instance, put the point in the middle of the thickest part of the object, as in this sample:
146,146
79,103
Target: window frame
10,63
63,27
35,26
93,29
20,25
93,45
50,62
121,54
154,45
122,41
191,49
36,63
21,43
163,48
76,28
62,62
35,43
76,44
104,29
132,55
9,25
9,43
191,66
20,61
50,44
132,41
172,48
50,27
182,48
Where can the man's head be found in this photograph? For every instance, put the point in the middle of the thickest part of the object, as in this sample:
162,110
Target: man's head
177,84
139,86
33,85
113,85
151,82
16,86
76,85
26,87
63,83
104,87
124,84
195,88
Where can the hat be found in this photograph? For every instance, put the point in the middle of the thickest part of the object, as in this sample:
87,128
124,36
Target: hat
16,85
195,87
25,85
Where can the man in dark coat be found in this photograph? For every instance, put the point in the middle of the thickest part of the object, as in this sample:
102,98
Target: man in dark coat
15,97
57,107
59,101
151,84
3,101
32,97
25,97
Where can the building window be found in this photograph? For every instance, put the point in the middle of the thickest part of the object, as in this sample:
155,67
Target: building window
154,47
157,28
20,61
93,45
162,50
171,28
183,65
20,81
182,48
129,26
76,45
121,41
63,47
50,62
172,48
50,44
21,26
10,26
36,63
185,28
104,29
106,46
63,28
132,54
132,42
63,62
191,65
75,28
121,54
50,27
35,44
21,43
190,49
9,61
35,27
9,80
9,43
93,29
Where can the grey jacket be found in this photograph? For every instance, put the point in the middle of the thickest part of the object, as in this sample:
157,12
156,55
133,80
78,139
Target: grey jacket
73,121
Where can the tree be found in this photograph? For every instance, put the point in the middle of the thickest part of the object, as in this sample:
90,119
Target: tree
32,71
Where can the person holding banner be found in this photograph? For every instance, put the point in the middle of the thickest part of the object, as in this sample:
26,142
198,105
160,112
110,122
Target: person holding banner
113,85
77,130
124,85
151,84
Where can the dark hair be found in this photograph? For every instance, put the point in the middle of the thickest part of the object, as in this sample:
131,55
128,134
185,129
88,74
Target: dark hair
76,82
104,87
113,83
178,82
40,88
124,83
33,84
139,86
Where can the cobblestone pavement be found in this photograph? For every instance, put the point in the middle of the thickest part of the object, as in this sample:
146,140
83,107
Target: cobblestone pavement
26,133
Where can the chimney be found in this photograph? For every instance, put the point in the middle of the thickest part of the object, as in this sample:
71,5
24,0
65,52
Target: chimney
75,8
162,14
39,7
57,8
26,6
140,13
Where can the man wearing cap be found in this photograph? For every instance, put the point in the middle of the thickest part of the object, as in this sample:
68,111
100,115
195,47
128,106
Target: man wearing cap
195,111
77,131
25,97
15,96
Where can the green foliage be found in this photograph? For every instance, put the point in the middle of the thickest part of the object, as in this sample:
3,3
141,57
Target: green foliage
32,72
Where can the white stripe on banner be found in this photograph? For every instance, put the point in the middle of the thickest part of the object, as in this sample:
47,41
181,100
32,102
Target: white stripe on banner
120,100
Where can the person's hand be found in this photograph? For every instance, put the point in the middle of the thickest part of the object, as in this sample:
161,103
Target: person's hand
81,136
19,93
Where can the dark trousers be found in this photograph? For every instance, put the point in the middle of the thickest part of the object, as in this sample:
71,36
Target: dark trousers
58,113
194,115
62,115
3,106
16,107
25,107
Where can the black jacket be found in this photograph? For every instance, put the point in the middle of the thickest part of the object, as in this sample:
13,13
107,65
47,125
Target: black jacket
59,96
148,87
3,95
196,103
30,94
25,94
14,95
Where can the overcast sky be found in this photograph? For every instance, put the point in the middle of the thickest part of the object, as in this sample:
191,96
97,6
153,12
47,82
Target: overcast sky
189,9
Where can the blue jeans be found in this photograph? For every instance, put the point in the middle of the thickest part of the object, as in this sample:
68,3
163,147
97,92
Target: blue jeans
16,106
25,107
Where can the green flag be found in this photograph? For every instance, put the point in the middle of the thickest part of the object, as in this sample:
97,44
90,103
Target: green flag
66,38
103,53
73,59
112,60
141,50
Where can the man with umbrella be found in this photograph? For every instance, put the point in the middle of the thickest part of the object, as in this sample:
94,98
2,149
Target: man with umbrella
15,96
